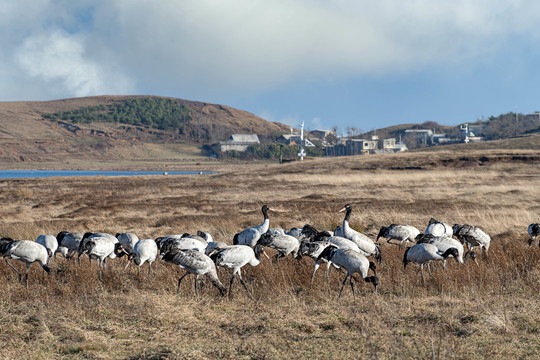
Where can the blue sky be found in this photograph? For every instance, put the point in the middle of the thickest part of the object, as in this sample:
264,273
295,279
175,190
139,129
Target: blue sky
345,63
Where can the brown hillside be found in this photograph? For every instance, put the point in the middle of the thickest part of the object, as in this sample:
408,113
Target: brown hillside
26,136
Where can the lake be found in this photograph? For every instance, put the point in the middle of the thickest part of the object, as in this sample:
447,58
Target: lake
14,174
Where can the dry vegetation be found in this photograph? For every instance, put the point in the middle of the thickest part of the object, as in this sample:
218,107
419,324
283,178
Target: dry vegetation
490,310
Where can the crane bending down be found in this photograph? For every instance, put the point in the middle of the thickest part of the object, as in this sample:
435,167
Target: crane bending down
353,262
197,263
25,251
235,257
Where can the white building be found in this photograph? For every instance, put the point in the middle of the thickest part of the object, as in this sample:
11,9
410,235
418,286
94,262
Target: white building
239,142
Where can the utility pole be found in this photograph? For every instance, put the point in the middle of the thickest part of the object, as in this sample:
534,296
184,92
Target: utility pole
302,153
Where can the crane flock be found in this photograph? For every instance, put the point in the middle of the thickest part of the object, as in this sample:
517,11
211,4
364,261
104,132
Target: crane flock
343,248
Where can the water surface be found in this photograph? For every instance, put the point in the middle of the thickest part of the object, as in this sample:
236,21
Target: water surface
14,174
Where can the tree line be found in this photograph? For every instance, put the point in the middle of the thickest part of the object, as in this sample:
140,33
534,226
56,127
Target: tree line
163,114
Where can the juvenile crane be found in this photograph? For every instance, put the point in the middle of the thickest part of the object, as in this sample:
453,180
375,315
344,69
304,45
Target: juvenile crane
197,263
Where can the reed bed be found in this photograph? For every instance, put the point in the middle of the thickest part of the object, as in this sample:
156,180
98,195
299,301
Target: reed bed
489,309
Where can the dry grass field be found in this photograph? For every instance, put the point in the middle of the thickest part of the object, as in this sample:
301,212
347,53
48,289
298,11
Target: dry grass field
489,310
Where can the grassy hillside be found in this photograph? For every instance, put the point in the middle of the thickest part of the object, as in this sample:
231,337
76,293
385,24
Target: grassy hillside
469,311
27,137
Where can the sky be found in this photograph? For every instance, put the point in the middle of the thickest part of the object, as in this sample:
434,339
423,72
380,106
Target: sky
359,64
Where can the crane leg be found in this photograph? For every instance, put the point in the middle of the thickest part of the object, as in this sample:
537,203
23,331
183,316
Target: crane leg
179,281
316,266
352,285
343,284
245,287
26,274
230,285
13,267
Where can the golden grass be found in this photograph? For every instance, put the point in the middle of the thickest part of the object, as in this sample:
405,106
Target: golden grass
469,311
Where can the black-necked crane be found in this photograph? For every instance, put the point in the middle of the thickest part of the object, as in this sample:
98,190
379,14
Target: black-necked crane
50,243
145,250
366,245
443,243
70,242
401,233
128,240
278,240
314,249
197,263
102,248
424,253
181,242
251,235
235,257
353,262
438,228
25,251
88,236
473,236
533,230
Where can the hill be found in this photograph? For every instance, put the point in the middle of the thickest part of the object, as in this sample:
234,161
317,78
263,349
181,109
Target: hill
26,136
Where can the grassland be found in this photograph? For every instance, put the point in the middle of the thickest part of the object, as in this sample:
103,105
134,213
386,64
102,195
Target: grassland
489,310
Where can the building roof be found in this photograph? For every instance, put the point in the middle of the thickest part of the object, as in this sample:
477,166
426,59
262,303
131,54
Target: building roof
244,138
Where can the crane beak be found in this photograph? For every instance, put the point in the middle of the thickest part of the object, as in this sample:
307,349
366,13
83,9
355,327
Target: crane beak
265,254
342,210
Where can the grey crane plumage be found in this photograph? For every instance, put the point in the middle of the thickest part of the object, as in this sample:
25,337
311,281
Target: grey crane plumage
181,242
444,243
70,242
314,249
401,233
102,248
145,250
353,262
128,240
235,257
424,253
365,244
473,236
438,228
50,243
197,263
25,251
251,235
278,240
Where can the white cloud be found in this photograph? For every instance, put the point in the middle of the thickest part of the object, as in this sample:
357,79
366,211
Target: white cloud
205,48
61,58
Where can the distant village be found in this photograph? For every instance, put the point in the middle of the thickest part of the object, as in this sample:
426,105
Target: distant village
335,145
